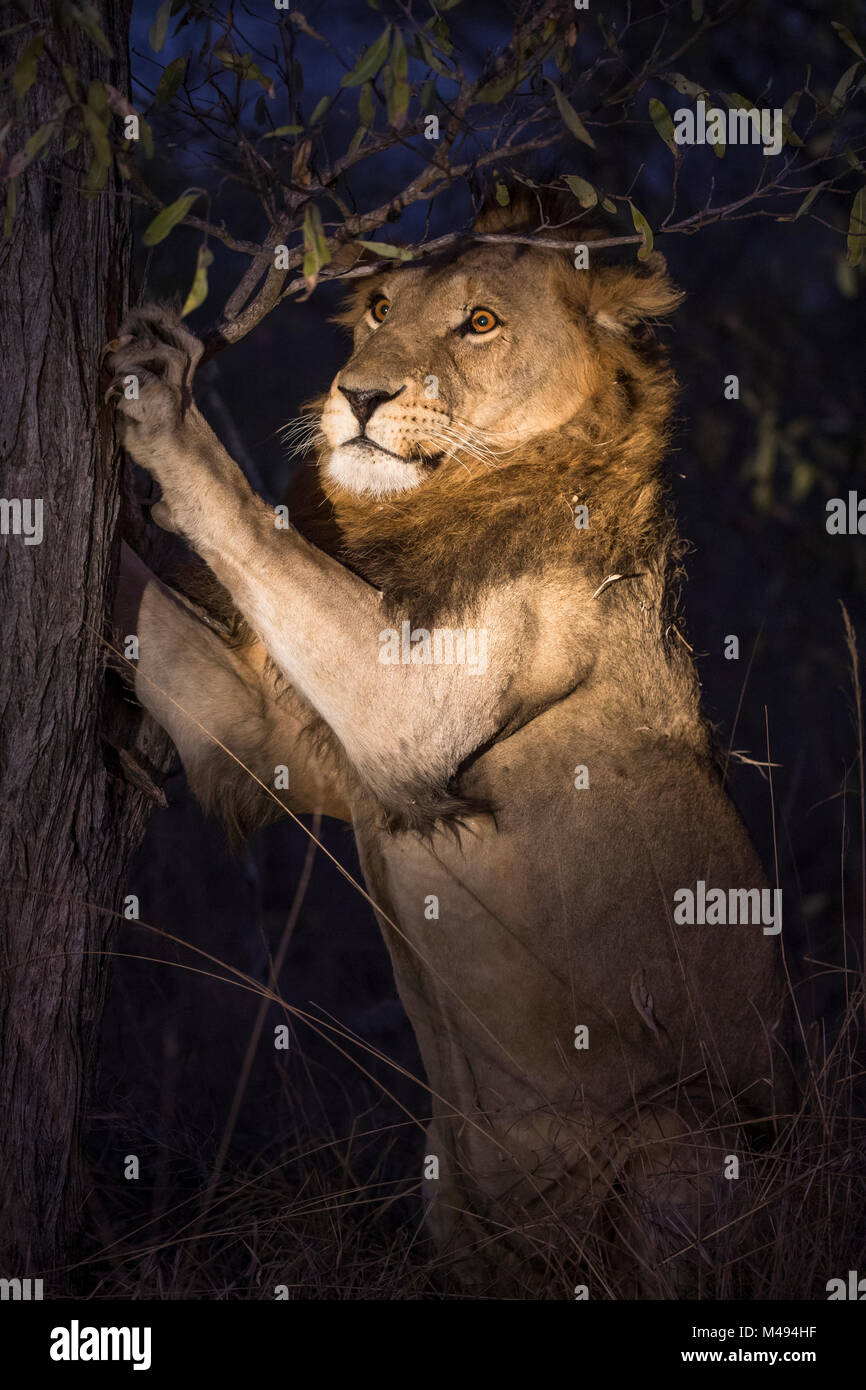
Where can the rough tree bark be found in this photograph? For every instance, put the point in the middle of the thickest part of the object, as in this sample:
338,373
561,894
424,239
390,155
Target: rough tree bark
74,757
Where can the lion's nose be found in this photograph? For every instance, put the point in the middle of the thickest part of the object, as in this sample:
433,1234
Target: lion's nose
364,402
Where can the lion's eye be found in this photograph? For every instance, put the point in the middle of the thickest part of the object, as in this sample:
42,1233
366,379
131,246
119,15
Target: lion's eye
379,307
482,320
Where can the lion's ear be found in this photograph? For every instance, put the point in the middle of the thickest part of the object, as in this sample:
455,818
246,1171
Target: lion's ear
620,297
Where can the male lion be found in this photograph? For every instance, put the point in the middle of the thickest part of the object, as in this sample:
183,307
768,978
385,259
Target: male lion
468,651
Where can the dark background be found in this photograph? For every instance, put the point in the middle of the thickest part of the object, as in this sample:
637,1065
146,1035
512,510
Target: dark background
772,301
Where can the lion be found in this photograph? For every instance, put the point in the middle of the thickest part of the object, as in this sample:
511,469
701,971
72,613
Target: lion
466,644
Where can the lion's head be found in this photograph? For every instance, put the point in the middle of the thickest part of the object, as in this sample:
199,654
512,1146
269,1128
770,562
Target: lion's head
464,360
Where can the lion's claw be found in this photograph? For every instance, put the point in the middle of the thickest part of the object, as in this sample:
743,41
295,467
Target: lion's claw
155,349
154,338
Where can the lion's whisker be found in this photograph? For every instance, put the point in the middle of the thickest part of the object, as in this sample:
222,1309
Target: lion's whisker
490,434
478,451
454,442
301,434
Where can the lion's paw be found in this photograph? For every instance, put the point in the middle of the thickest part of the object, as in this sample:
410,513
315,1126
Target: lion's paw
151,363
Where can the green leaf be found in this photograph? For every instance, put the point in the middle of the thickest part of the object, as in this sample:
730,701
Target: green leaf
641,225
366,106
837,100
608,35
319,109
431,58
583,191
853,161
848,38
803,479
246,69
608,205
88,19
370,61
95,117
857,227
357,138
496,89
97,99
70,78
384,248
96,176
37,142
159,28
847,279
442,35
315,244
570,117
697,11
398,97
809,199
167,220
738,102
25,72
283,130
661,118
96,126
428,94
684,85
503,197
198,291
170,81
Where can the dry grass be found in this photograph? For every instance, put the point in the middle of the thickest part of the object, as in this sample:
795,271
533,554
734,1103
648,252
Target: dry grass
336,1220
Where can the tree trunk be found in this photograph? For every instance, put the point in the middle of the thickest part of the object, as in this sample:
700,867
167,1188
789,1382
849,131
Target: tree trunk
73,756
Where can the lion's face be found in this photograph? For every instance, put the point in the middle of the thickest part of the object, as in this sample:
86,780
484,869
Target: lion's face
471,358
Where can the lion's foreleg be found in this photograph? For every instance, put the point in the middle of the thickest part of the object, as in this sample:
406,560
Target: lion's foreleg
405,725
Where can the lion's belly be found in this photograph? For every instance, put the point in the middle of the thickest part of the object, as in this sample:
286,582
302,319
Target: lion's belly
539,963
